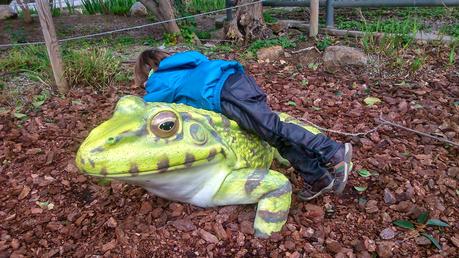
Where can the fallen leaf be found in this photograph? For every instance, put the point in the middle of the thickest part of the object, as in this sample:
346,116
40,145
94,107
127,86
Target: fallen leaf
370,101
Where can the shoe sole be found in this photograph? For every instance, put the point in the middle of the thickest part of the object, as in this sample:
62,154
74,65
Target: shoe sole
347,168
327,189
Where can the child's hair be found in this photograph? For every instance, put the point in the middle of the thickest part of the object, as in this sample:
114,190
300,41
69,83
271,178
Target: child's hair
147,60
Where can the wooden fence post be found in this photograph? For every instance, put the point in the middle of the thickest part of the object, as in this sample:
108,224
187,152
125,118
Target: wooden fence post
49,33
314,18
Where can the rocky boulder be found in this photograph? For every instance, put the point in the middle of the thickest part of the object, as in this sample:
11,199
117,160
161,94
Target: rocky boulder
268,54
336,57
138,9
6,12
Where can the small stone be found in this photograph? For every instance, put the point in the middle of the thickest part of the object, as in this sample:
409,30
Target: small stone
387,233
289,245
109,246
220,231
342,56
54,225
333,246
372,206
6,12
453,172
81,179
404,206
138,9
156,213
308,248
451,183
403,106
25,191
15,244
111,223
455,240
369,244
36,210
422,240
208,236
145,208
389,197
314,212
247,227
177,209
384,249
295,254
270,53
364,254
183,225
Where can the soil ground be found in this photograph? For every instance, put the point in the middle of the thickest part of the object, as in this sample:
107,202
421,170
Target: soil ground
50,209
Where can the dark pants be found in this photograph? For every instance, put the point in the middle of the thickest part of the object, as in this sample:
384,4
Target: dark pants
244,102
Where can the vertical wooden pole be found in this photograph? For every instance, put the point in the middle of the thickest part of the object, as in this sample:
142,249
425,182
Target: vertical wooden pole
314,19
49,33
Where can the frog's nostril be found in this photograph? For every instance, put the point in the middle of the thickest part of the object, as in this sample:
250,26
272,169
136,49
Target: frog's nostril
111,140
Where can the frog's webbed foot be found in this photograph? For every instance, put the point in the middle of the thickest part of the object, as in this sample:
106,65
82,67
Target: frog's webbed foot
271,189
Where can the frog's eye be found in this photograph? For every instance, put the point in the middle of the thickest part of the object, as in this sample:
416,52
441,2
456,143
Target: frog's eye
164,124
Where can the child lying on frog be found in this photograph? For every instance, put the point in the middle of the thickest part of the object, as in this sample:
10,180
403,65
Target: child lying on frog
222,86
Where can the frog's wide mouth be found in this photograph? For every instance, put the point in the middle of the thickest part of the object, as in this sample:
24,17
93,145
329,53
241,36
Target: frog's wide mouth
162,166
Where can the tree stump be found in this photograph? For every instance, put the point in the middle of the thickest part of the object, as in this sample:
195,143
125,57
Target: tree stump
247,24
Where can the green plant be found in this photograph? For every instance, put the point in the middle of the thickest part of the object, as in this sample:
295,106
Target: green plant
419,227
94,67
452,30
452,54
117,7
70,7
91,67
170,39
199,6
55,11
417,64
203,34
268,18
324,43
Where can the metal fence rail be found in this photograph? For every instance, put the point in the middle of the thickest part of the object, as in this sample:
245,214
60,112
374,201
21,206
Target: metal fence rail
332,4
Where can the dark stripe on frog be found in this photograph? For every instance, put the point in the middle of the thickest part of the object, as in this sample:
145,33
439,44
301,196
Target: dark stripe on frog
225,122
186,116
134,169
82,161
97,150
286,188
189,159
216,136
179,137
210,121
212,154
163,164
103,171
254,179
142,131
273,217
92,163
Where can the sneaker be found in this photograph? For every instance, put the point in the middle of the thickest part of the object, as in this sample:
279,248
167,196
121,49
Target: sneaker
342,166
320,186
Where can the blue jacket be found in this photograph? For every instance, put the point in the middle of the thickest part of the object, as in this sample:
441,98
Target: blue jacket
190,78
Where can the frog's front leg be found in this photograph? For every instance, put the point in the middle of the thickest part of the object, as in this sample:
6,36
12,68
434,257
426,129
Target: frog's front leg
271,189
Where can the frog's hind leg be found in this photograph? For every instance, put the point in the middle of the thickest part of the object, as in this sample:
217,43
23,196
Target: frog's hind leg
271,189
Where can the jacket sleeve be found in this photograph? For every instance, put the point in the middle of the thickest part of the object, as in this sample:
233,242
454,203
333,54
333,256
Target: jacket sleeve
158,93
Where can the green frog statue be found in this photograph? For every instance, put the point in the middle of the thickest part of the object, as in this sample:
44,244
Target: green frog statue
189,155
